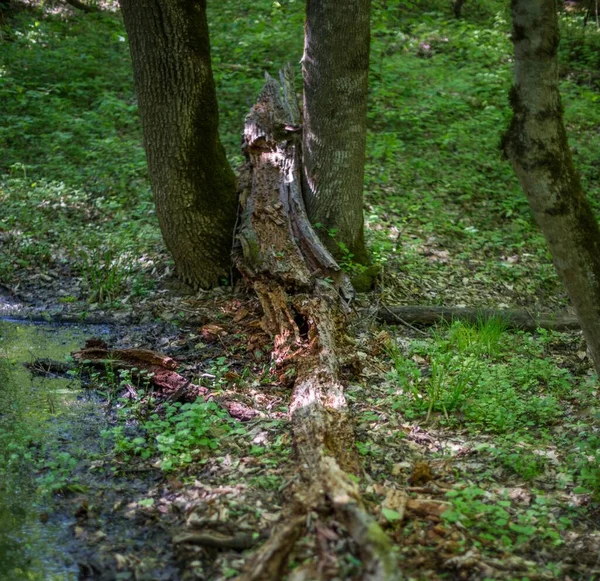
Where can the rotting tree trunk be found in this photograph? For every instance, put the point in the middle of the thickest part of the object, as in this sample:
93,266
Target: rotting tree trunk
536,143
193,185
335,69
300,287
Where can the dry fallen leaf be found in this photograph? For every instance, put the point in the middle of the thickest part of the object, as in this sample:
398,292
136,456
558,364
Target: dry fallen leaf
427,507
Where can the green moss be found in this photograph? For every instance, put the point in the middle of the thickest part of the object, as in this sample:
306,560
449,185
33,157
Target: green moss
365,280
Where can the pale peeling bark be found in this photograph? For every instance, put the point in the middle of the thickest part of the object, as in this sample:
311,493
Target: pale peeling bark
536,143
335,69
194,187
300,287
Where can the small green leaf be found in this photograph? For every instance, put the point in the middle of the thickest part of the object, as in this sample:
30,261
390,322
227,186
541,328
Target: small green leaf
391,515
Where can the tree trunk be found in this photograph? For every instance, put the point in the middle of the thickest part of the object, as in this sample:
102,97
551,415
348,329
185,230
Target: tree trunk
194,187
300,286
335,69
536,143
457,7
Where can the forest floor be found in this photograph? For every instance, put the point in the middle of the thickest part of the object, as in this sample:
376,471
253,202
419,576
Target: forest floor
474,441
480,444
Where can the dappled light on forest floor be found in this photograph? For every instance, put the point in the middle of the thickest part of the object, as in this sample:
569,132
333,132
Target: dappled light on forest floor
477,444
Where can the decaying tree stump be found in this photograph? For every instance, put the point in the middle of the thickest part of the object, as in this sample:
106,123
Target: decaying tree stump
303,293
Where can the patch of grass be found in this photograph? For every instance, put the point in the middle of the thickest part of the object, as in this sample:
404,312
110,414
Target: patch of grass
73,180
481,377
69,111
55,229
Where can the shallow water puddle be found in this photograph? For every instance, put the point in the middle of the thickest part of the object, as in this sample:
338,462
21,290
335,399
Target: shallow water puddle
43,422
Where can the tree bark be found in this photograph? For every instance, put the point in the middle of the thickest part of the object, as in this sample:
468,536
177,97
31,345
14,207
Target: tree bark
457,7
335,69
300,286
194,187
536,143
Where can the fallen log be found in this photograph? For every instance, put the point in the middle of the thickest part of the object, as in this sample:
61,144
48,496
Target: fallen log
301,289
144,366
512,318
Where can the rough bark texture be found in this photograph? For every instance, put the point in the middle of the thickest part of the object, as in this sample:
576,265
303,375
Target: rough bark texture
194,187
536,143
335,69
300,287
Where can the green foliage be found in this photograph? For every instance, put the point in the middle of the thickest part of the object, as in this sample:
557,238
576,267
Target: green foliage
496,525
579,51
183,433
489,380
73,182
68,107
59,474
49,226
583,461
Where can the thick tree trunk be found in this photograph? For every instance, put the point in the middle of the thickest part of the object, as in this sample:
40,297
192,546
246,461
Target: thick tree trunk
194,187
536,143
300,286
335,69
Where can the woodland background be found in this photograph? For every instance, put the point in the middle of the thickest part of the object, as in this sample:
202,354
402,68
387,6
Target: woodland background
500,424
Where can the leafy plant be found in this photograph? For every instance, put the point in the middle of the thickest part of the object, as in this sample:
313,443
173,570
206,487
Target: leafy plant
182,434
496,526
474,372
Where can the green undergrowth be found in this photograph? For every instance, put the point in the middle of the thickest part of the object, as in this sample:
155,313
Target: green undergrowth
67,232
181,434
435,179
515,417
498,524
494,380
509,385
175,435
73,180
435,171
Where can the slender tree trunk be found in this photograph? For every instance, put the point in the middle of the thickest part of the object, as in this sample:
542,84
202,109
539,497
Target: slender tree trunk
536,143
335,69
457,7
194,187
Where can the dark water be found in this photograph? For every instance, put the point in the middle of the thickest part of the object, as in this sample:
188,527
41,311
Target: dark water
41,421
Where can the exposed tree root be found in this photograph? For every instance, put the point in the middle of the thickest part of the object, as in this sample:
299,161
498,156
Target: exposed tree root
301,290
